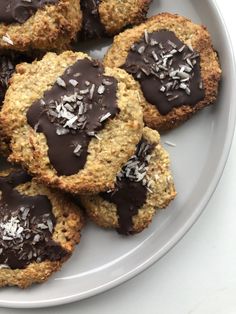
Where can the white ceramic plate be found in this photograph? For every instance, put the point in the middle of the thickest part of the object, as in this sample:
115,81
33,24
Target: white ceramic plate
104,259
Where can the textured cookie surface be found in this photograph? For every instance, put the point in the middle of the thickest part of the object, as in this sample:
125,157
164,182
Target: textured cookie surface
108,17
39,230
106,153
8,62
144,185
175,64
51,27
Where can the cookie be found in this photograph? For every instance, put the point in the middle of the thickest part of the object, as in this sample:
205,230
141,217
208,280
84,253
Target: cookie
105,18
77,122
175,63
144,185
38,24
39,229
8,62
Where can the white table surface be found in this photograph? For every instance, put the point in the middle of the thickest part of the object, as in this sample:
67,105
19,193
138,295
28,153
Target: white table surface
198,275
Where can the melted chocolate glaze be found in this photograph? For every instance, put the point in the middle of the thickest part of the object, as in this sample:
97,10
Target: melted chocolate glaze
130,192
92,26
8,64
91,100
168,71
19,11
26,225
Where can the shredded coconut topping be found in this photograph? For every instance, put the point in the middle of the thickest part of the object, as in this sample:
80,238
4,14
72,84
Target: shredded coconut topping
136,168
7,39
172,77
19,227
70,113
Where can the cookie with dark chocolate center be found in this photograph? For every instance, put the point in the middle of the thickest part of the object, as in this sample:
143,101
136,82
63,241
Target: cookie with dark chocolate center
39,229
175,64
144,185
81,121
43,25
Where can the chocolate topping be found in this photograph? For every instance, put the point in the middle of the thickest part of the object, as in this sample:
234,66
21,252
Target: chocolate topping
69,114
7,68
131,188
19,11
26,225
92,26
168,70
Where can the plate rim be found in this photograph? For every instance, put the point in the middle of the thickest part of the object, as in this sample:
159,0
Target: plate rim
188,223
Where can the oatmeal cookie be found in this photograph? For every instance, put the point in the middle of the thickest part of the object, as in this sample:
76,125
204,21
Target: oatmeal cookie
39,229
75,124
102,18
38,24
175,63
144,185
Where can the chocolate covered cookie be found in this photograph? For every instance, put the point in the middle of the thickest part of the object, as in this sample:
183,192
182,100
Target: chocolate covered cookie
105,18
142,186
77,122
38,24
175,64
39,229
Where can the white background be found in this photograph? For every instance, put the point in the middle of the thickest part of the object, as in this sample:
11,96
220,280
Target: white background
198,276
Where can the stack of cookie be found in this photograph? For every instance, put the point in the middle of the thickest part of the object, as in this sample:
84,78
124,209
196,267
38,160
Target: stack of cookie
80,127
